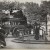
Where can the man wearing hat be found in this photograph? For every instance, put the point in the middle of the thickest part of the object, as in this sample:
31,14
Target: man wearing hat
2,37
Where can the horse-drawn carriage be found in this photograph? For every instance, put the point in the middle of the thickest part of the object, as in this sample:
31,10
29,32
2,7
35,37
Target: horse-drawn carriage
15,25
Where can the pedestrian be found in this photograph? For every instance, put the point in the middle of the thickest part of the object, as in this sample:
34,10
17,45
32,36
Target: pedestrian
2,37
40,33
37,31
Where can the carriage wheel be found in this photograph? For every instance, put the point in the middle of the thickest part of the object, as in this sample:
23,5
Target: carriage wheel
21,35
16,34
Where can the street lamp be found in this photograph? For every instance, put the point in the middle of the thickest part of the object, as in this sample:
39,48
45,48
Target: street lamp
46,25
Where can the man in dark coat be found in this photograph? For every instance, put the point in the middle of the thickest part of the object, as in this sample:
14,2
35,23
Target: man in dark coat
2,37
37,31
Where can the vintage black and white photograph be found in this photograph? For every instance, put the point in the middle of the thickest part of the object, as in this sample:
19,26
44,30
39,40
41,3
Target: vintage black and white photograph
24,24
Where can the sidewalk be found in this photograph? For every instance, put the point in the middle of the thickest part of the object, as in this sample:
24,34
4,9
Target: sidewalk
31,40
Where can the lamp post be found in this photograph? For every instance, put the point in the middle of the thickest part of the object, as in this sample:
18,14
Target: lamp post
46,25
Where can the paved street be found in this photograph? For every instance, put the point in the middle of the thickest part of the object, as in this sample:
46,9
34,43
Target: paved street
14,45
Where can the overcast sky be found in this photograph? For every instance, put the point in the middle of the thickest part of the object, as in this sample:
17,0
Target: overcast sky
35,1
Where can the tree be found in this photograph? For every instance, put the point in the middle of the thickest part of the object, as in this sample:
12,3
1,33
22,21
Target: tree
44,10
